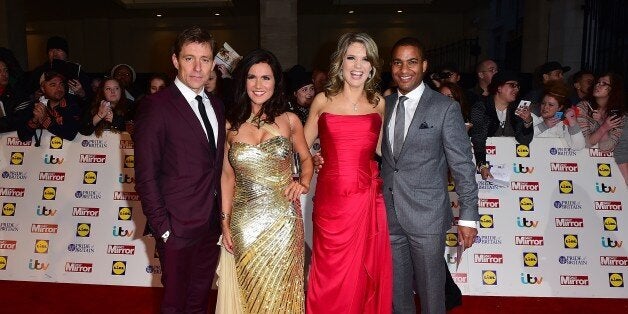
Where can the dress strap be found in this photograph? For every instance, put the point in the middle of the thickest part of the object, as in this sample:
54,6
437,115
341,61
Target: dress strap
262,125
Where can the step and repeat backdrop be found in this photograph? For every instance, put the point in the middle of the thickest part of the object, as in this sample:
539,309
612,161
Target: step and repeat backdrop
554,227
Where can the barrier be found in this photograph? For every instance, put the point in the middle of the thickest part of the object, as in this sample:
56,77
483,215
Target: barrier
70,214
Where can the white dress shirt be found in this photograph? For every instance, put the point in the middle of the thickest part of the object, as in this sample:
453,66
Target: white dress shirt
410,108
190,97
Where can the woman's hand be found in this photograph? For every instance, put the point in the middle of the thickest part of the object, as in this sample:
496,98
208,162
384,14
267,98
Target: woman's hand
525,114
109,116
611,122
294,190
570,116
76,88
226,239
103,109
597,116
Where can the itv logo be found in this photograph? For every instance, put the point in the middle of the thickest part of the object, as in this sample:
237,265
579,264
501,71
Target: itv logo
528,279
603,188
519,168
608,242
523,222
36,265
43,211
52,160
121,232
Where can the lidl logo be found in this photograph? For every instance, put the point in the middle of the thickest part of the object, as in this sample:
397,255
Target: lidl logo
118,268
451,186
489,277
451,239
8,209
3,262
616,280
570,241
17,158
41,246
486,221
125,213
56,142
530,259
565,186
523,150
526,204
603,170
129,161
610,223
83,229
90,177
49,193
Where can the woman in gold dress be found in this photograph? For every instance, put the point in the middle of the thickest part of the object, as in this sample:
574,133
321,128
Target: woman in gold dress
262,225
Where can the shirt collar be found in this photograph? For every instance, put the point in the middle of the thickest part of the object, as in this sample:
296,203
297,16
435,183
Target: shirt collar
187,92
414,94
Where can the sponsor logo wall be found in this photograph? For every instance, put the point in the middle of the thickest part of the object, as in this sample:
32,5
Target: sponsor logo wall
71,214
559,229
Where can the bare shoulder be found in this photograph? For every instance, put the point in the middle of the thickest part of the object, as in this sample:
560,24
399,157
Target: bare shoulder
381,104
318,104
293,118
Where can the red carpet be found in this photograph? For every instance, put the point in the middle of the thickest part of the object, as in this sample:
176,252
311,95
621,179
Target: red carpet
37,297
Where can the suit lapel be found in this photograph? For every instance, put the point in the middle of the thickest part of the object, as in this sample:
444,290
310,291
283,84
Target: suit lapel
417,119
390,104
181,105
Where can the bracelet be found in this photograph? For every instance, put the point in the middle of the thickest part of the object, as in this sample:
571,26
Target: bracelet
482,166
99,116
224,215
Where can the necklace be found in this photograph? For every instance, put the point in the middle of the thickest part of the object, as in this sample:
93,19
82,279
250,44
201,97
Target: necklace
355,104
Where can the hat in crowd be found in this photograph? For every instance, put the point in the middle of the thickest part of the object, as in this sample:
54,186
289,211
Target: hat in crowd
56,42
552,66
49,75
113,70
297,78
500,78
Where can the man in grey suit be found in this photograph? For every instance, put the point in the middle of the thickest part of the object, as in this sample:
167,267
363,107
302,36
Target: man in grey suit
424,135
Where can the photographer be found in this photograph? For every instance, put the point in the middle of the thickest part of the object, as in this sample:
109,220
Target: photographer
53,111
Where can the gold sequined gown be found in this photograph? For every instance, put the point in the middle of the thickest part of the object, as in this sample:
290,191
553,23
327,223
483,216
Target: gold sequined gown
266,229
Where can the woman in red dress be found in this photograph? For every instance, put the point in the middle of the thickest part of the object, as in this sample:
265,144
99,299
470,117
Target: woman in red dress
351,269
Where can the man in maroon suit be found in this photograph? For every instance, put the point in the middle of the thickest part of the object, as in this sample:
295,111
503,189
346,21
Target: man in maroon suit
179,146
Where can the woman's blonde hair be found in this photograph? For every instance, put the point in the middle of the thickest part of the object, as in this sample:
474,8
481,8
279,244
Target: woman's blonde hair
336,81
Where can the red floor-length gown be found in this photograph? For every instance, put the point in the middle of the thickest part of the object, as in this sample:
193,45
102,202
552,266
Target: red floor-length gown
351,268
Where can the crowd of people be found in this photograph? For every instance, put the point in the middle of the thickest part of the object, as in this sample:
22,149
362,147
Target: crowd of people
215,154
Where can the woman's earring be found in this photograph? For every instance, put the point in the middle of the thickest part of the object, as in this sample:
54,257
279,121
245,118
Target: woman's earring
372,73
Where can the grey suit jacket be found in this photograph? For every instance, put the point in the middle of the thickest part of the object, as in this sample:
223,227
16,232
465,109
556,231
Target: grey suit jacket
415,187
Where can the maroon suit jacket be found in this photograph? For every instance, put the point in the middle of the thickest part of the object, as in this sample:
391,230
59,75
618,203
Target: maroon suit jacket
177,178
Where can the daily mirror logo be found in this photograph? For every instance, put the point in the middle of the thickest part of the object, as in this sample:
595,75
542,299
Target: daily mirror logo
15,141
